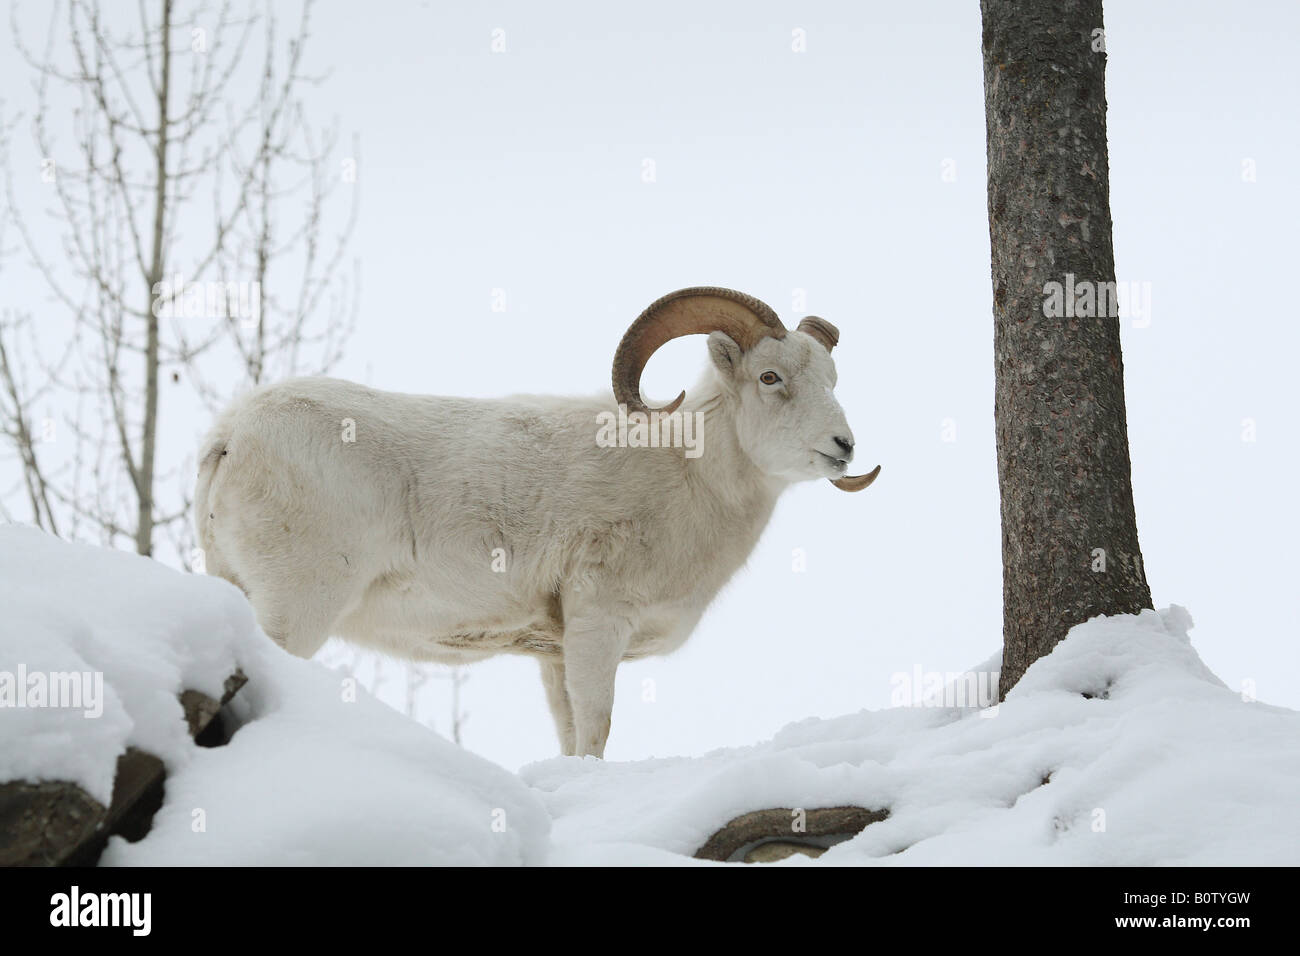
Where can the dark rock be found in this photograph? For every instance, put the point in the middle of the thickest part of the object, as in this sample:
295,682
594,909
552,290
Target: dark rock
42,823
56,823
823,827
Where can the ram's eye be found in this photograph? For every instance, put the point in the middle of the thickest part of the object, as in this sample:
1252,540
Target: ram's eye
769,378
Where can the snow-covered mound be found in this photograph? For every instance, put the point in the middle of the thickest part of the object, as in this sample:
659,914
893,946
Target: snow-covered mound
1119,748
316,774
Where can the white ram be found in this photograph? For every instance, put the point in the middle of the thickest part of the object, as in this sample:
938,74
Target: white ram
450,529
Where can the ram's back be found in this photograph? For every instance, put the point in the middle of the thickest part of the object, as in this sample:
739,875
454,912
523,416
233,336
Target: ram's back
449,514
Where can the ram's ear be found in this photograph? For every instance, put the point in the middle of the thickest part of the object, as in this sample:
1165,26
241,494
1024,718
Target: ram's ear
725,354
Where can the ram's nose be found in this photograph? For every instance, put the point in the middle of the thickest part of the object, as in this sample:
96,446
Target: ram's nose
846,446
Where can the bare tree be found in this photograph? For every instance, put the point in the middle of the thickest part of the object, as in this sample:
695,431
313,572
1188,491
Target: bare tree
1069,533
457,676
289,158
418,676
170,204
18,426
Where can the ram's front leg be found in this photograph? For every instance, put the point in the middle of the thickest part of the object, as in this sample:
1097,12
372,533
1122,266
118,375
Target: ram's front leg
593,647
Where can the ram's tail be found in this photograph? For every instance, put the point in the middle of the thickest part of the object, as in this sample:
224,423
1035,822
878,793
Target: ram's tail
212,454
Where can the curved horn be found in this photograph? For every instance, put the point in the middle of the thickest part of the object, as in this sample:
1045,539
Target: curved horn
687,312
856,482
825,333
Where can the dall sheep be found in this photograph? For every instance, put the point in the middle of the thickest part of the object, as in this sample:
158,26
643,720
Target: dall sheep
451,529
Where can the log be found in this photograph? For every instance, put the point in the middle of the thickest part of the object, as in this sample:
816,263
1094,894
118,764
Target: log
823,827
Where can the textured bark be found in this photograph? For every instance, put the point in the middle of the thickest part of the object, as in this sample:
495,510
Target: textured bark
1062,434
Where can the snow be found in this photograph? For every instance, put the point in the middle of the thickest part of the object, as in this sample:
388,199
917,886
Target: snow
314,774
1160,765
151,631
1148,758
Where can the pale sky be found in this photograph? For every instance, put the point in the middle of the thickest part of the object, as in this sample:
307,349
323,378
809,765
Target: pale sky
821,174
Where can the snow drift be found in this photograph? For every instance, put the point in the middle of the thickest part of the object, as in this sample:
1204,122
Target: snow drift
313,775
1119,748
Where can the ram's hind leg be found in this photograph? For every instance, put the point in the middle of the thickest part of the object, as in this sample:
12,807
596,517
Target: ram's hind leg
300,627
557,696
298,602
298,572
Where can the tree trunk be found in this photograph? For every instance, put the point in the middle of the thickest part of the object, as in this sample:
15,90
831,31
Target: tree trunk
149,432
1069,534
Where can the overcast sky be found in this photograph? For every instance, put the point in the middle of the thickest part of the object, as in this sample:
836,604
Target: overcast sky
851,174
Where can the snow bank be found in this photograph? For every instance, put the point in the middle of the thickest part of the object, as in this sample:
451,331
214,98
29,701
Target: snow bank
316,774
1158,764
1119,748
150,631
